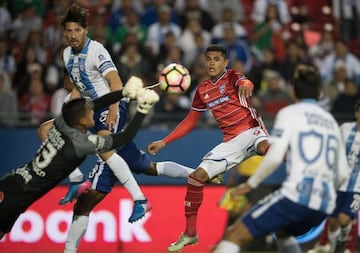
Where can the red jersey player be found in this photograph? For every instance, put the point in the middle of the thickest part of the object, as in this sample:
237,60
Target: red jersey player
227,95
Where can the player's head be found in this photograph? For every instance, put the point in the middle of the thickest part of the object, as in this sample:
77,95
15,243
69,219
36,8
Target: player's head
78,113
75,26
215,61
306,82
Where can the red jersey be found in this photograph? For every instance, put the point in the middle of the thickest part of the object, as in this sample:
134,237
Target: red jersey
233,113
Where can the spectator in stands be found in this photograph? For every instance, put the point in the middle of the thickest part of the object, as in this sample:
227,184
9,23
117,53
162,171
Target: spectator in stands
347,18
99,31
52,33
216,7
258,13
5,20
131,25
319,51
341,53
151,13
344,104
188,40
130,62
266,62
7,60
334,87
273,97
24,70
119,16
158,30
268,33
217,32
36,41
8,102
193,9
25,22
294,57
237,49
35,104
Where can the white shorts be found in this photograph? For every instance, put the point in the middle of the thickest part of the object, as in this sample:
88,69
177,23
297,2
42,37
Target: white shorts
229,154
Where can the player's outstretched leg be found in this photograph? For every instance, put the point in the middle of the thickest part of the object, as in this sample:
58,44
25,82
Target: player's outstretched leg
141,207
74,191
183,241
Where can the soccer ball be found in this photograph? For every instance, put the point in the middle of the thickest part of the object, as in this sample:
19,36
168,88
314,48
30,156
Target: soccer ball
174,79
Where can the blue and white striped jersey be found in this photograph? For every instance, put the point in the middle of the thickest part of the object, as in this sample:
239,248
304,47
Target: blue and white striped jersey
88,68
315,155
351,138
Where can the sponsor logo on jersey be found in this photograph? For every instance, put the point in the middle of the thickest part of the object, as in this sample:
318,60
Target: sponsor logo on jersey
222,88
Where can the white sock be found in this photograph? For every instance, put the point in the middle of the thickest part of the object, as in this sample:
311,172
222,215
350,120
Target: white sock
172,169
122,171
227,247
76,175
288,245
333,238
76,232
344,233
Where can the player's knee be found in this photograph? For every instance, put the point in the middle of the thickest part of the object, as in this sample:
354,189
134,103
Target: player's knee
263,147
200,175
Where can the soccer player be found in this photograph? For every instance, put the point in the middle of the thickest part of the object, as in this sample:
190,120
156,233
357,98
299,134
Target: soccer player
66,147
310,138
226,94
348,196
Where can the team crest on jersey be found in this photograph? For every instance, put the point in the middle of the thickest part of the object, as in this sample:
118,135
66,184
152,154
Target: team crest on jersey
101,57
81,66
222,89
1,196
310,139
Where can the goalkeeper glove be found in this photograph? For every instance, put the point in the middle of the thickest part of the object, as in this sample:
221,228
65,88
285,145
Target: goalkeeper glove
146,99
132,87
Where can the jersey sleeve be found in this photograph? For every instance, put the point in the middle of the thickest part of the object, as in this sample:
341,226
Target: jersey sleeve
184,126
103,60
280,139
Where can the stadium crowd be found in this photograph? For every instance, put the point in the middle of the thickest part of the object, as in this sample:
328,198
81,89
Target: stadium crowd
265,40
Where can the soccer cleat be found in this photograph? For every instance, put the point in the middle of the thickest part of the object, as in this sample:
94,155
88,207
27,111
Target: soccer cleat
183,241
141,207
218,179
74,191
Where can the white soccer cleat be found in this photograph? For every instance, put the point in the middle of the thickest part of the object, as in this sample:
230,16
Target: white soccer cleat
183,241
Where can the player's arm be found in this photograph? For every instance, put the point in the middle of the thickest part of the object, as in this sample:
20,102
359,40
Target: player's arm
181,130
245,86
113,78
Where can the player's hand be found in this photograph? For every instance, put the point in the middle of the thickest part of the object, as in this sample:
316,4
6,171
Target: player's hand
244,91
113,116
155,146
146,99
241,189
132,87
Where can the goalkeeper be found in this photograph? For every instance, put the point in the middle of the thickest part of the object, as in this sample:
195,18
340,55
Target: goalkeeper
66,147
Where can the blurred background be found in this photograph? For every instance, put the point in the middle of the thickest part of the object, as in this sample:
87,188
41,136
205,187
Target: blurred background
265,39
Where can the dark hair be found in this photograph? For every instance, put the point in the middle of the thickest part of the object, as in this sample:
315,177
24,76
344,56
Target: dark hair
73,110
307,82
216,48
77,14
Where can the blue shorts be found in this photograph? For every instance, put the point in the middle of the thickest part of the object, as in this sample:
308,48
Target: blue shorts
103,176
277,213
347,203
137,160
100,118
